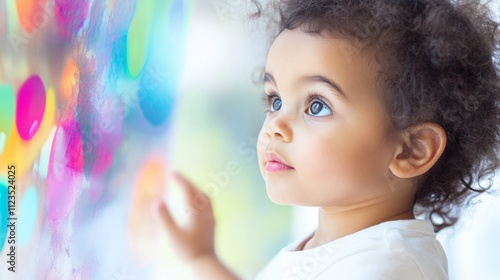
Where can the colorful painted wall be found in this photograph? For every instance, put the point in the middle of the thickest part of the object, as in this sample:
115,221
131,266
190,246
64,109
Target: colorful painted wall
99,100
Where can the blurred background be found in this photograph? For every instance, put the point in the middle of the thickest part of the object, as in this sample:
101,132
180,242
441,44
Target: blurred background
100,100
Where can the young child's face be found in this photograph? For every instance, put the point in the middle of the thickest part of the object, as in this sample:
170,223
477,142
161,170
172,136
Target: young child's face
332,136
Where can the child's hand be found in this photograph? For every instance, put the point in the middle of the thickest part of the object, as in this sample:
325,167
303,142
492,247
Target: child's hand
195,240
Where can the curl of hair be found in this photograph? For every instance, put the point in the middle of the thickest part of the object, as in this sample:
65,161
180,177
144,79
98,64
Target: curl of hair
440,63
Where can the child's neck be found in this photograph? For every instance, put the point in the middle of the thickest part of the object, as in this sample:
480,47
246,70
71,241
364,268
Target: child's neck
338,221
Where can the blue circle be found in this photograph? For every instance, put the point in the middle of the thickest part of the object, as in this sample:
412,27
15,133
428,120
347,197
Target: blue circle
3,214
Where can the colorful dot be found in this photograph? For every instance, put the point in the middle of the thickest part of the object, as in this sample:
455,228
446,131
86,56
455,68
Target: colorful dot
156,105
30,107
32,14
7,112
28,210
26,152
3,214
149,187
138,36
70,79
160,80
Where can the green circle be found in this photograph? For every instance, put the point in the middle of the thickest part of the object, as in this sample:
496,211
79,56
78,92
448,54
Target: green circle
138,36
7,110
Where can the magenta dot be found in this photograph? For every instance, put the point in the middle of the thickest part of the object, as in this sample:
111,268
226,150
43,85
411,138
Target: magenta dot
30,107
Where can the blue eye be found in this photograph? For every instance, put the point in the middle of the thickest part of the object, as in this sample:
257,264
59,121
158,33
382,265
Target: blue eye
318,109
276,105
272,102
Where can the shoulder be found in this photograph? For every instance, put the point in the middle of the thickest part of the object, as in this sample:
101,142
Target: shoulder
402,250
389,251
382,264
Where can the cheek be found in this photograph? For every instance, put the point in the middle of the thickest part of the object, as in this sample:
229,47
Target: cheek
347,159
364,142
328,160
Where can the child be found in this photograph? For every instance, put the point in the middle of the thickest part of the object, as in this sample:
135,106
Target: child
378,111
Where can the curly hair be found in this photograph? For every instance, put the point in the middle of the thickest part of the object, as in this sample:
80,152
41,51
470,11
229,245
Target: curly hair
440,63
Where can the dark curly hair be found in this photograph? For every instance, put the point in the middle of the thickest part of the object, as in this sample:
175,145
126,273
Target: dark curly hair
440,63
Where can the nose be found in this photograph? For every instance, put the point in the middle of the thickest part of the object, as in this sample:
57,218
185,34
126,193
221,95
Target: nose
279,128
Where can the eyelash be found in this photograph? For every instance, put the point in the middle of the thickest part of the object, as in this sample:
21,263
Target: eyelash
311,97
267,100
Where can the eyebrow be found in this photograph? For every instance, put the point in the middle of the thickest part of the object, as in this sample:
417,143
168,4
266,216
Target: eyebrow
268,78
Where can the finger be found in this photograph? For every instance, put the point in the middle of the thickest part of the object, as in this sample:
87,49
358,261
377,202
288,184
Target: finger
167,219
195,198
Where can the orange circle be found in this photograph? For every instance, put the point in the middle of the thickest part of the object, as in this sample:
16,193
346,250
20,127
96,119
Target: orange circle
27,12
149,187
70,80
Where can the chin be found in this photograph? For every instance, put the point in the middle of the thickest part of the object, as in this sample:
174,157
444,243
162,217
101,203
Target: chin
281,202
280,198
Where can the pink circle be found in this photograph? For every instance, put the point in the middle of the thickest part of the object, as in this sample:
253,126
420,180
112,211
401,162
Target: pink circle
30,107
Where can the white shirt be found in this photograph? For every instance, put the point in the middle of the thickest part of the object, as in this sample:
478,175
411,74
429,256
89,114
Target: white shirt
403,249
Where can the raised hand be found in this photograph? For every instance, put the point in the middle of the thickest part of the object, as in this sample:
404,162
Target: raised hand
196,238
194,242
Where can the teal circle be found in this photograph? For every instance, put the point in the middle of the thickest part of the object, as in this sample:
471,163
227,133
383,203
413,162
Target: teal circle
28,211
7,110
3,214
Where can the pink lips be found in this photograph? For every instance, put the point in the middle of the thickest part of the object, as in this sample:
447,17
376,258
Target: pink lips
275,164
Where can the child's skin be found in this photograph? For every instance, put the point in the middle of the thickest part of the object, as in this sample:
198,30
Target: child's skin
336,145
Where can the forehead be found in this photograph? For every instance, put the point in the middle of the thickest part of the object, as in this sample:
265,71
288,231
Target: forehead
297,41
295,53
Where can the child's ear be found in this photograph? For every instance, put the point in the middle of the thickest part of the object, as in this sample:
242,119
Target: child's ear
418,148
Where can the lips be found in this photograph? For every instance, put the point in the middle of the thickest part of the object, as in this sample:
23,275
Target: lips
276,164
